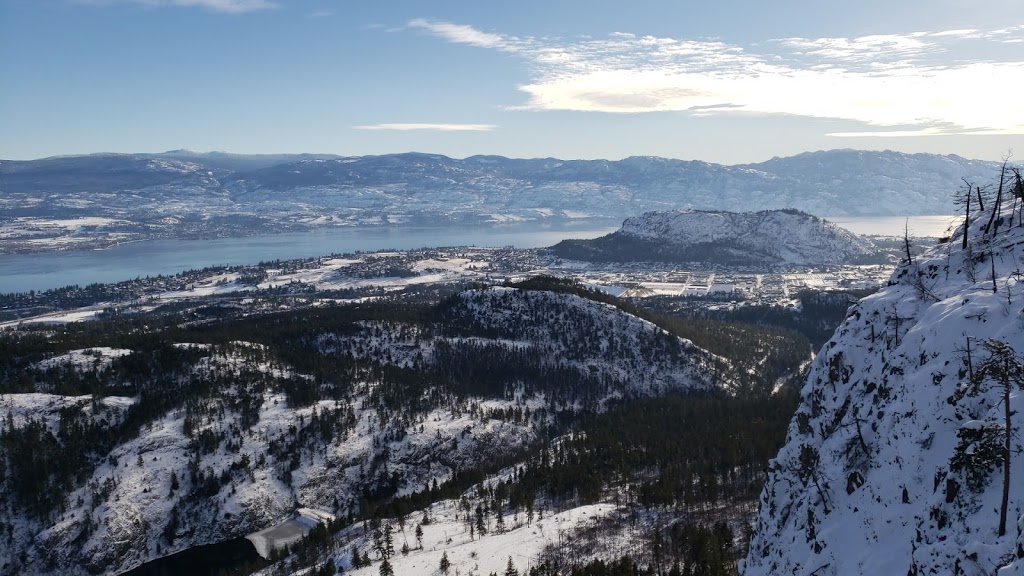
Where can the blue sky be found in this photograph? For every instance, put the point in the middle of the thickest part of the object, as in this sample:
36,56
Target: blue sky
723,81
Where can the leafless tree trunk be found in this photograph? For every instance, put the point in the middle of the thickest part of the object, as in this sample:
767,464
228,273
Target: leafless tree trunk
906,242
1018,194
999,197
1006,457
967,212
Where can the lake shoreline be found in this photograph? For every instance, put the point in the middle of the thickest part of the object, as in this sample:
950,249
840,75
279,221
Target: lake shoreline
24,272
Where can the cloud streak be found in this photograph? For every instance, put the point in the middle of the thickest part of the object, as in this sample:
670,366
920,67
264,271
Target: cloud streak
918,83
429,127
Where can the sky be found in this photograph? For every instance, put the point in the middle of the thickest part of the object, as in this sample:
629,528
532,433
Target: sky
723,81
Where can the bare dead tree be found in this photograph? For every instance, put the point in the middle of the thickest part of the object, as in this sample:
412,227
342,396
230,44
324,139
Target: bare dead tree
895,321
998,201
992,257
966,357
917,280
1017,187
906,242
966,201
969,263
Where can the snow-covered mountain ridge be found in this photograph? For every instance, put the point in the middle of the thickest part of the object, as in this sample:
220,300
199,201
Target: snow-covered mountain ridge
182,194
893,462
768,237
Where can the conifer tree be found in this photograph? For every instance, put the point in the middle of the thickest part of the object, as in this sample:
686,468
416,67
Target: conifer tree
510,569
1005,369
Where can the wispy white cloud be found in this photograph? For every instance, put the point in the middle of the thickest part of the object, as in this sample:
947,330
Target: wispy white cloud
462,34
321,14
427,126
888,133
922,83
226,6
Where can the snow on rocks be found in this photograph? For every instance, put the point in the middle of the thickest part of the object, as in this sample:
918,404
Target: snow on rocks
883,471
288,532
95,358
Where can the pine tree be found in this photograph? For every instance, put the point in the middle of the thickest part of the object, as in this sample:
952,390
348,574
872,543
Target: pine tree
445,563
500,522
481,527
386,569
510,569
383,541
389,543
1006,369
357,559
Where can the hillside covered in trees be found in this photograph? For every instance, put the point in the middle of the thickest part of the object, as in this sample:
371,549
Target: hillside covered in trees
129,438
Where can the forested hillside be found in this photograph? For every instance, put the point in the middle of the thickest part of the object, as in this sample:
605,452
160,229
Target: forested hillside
129,438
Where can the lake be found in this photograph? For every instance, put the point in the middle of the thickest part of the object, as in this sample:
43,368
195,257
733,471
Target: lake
42,271
930,226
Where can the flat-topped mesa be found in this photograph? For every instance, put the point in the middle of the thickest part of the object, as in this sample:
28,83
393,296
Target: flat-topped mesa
768,237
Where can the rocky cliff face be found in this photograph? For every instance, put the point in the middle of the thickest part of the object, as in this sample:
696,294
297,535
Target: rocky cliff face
894,460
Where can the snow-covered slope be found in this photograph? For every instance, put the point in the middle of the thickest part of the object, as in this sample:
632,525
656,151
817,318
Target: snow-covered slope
769,237
891,464
232,439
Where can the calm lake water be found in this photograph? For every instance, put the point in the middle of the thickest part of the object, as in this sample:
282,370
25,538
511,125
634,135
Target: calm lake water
930,226
24,272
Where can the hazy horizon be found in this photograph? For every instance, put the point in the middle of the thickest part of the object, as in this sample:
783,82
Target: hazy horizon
428,153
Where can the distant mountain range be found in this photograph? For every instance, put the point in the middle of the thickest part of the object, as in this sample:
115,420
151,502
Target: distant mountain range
768,237
187,194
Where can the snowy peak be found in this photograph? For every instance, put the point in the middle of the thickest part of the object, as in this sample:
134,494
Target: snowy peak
894,461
